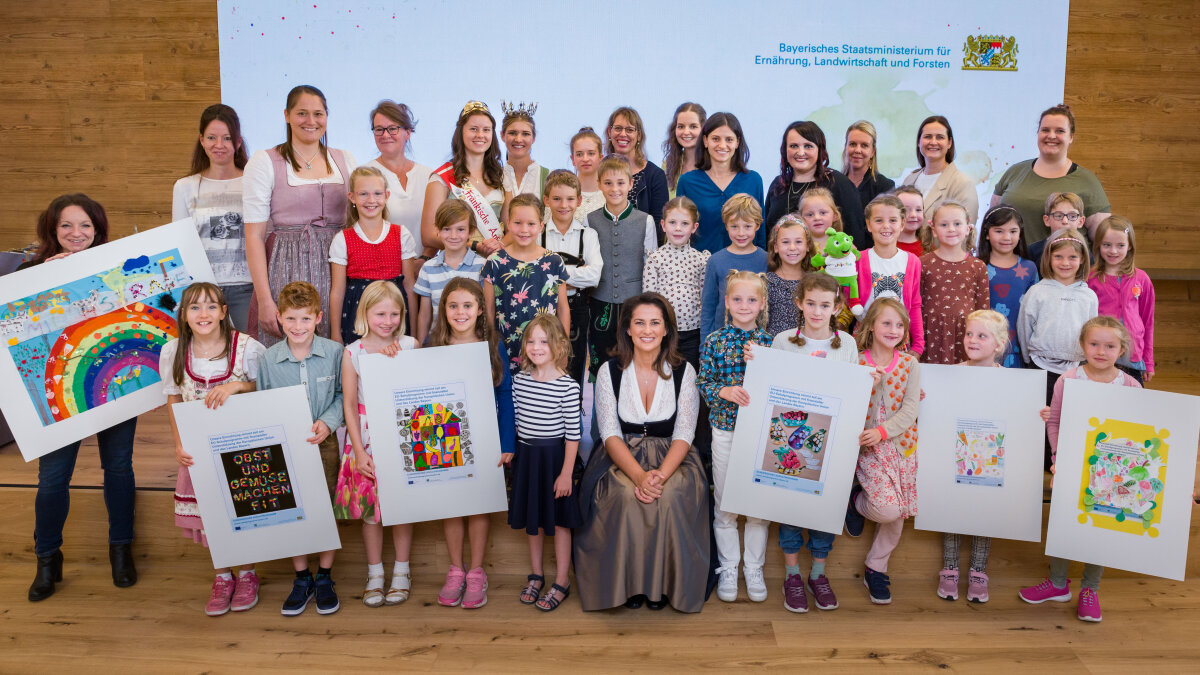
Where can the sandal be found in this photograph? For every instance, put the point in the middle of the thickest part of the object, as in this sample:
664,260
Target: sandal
373,595
398,593
531,592
550,602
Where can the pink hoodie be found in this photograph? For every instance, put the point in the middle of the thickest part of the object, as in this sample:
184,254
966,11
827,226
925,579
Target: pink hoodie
910,294
1129,299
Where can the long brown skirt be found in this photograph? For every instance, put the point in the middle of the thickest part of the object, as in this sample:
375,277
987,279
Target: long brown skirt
627,548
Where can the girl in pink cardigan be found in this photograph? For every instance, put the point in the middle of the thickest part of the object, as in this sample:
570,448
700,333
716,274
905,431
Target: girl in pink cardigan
1125,292
886,271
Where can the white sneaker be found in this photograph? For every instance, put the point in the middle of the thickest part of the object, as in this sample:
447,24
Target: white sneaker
727,585
756,588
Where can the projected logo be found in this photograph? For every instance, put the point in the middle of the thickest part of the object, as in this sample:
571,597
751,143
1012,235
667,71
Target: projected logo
990,52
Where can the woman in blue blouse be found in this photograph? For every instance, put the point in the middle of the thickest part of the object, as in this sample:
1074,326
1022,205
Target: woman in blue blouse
720,173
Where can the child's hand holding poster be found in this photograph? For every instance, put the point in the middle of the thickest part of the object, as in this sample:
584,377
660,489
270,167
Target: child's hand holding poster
796,445
981,439
259,483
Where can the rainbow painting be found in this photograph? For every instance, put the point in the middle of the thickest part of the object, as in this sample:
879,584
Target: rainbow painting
92,340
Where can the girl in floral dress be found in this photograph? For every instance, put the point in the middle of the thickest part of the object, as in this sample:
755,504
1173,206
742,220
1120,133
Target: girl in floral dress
380,322
887,460
523,279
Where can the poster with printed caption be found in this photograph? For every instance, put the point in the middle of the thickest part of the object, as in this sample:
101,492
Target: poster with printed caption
1126,466
796,445
259,484
434,436
81,335
980,436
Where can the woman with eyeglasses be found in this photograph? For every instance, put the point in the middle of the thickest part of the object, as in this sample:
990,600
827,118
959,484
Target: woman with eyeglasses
393,126
627,137
294,202
1026,185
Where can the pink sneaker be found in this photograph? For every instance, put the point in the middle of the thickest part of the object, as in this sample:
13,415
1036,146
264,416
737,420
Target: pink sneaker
977,587
246,595
222,592
1036,595
948,584
1089,605
476,595
452,592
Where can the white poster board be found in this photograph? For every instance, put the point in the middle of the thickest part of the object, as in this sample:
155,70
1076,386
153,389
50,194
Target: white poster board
981,440
82,334
796,445
434,436
1126,467
259,484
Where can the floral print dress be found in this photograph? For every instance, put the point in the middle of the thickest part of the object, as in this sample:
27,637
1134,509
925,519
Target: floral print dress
523,290
888,471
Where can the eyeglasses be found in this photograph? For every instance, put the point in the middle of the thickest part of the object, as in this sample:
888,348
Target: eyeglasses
1069,217
392,130
623,130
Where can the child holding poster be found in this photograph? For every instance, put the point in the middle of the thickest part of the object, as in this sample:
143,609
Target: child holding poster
308,359
722,369
985,343
209,361
543,501
463,320
1125,292
820,300
380,322
1104,341
887,461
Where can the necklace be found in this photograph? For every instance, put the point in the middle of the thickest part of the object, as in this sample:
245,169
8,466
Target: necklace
794,191
308,162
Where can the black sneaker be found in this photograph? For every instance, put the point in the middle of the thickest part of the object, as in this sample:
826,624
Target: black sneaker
327,599
854,520
297,600
877,584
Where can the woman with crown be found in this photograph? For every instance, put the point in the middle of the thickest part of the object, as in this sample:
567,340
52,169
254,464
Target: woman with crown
473,175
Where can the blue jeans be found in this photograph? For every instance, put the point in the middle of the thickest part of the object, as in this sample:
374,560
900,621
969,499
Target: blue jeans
54,488
791,540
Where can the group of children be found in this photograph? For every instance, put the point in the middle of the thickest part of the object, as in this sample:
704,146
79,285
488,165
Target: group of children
918,295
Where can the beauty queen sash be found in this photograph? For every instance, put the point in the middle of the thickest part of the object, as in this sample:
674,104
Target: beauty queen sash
485,217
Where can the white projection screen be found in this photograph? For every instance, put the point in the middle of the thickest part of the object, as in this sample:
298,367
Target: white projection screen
769,63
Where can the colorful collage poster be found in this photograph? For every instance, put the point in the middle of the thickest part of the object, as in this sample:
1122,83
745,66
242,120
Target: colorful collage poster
796,445
81,335
436,446
1125,470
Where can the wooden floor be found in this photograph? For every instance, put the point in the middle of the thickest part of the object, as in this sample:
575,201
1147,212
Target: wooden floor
159,626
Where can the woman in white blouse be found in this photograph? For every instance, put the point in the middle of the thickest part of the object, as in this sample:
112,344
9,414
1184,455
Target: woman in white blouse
294,203
645,538
393,126
212,197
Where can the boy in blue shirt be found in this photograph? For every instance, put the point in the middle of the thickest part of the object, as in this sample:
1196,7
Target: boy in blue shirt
306,358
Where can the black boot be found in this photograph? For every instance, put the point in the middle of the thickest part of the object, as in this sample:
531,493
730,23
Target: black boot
123,573
49,570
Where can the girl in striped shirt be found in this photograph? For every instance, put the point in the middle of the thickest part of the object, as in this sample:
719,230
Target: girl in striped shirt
542,500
